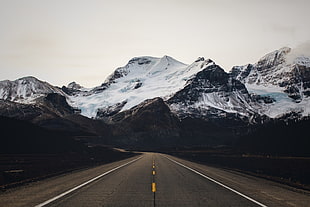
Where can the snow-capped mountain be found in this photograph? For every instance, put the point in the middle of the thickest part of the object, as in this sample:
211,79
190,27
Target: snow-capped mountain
26,90
163,102
277,84
281,75
199,88
141,79
212,92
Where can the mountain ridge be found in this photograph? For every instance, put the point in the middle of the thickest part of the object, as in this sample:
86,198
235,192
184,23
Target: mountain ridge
275,85
163,102
283,78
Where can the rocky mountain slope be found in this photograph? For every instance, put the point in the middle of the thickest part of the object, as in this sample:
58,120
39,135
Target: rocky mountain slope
26,90
281,75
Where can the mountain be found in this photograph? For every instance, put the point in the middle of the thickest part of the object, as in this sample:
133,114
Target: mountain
199,89
74,88
153,102
281,75
274,86
152,125
26,90
212,93
141,79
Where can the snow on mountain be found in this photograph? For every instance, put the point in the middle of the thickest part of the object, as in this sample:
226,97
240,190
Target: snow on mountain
213,93
74,88
281,76
26,90
279,83
141,79
74,85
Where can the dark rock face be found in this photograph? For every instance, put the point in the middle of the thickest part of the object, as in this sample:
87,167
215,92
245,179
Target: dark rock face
212,79
299,83
149,114
241,72
273,59
51,106
19,111
69,91
224,91
72,88
150,124
138,85
262,99
110,111
140,60
59,103
99,89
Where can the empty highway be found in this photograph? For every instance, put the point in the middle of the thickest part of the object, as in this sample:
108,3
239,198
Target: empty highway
154,179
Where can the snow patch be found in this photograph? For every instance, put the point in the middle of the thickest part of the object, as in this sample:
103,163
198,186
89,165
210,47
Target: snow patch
283,104
157,77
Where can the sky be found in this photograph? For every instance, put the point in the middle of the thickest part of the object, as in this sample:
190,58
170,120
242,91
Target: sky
60,41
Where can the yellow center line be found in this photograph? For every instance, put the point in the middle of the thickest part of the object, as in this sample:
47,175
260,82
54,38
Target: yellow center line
153,183
153,187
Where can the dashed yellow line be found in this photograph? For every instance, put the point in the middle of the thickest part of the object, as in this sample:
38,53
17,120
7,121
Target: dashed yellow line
153,187
153,183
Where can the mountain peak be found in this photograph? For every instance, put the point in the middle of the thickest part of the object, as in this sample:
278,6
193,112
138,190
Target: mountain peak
26,89
171,59
282,75
141,60
142,78
74,85
31,78
274,58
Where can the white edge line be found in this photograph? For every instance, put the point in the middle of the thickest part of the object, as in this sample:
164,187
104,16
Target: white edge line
211,179
83,184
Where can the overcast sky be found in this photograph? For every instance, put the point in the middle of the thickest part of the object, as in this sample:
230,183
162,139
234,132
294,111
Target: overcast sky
60,41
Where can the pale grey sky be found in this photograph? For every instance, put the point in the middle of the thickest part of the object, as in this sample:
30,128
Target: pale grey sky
60,41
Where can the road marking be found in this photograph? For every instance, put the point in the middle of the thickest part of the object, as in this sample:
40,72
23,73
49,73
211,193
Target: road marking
153,183
153,187
86,183
211,179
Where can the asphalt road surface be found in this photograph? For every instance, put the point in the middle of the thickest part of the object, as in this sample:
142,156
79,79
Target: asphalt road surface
154,180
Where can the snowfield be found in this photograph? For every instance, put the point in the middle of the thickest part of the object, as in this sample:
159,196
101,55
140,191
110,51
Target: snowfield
143,78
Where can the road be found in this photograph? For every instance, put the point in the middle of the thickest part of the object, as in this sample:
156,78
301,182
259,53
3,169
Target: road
154,179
